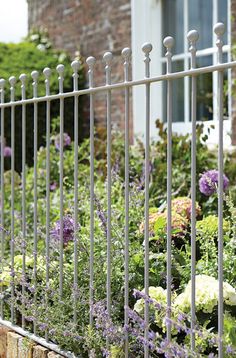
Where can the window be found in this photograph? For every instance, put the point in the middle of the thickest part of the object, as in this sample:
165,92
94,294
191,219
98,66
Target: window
152,20
179,16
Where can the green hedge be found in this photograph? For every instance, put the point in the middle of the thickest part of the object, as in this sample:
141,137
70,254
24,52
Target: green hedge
24,58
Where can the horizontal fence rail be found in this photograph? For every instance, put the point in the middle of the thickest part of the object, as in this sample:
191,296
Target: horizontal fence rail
31,241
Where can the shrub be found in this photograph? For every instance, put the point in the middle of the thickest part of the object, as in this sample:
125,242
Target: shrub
25,57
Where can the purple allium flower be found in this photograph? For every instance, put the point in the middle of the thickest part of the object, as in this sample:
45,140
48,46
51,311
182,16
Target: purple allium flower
66,140
7,152
68,230
53,186
209,181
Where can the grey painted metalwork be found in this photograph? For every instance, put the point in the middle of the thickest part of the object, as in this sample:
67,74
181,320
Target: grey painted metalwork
47,74
169,43
126,53
108,60
75,66
169,77
91,63
35,76
23,79
12,81
219,30
2,84
60,70
147,48
192,38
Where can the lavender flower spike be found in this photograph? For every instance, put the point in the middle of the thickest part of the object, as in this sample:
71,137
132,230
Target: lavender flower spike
209,181
68,230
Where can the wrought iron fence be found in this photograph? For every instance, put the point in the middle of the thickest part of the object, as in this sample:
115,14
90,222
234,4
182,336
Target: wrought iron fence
9,314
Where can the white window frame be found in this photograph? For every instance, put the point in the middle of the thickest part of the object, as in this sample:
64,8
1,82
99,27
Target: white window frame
147,27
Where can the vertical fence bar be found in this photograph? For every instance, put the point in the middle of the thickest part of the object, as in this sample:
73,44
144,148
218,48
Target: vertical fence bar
23,79
12,81
75,66
108,60
192,38
35,76
147,48
47,74
91,63
126,53
219,30
2,85
168,43
60,70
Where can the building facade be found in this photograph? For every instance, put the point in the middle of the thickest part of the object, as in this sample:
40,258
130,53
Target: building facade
95,26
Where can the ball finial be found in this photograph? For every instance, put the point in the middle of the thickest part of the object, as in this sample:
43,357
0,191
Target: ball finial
47,72
75,65
35,75
126,53
147,48
193,36
91,61
107,58
219,29
60,69
12,81
23,78
168,42
2,83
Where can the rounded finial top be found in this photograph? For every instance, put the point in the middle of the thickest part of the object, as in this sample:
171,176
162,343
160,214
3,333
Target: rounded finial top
2,83
126,53
147,47
60,69
12,81
193,36
75,65
35,75
23,78
47,72
107,58
91,61
219,29
168,42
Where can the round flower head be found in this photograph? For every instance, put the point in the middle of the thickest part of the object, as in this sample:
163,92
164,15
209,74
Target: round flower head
183,205
66,141
207,295
209,181
7,152
68,230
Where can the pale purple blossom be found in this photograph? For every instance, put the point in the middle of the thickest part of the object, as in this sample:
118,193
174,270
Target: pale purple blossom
66,141
7,152
53,186
68,230
209,181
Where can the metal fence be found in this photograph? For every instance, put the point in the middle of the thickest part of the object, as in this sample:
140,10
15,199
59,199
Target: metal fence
108,89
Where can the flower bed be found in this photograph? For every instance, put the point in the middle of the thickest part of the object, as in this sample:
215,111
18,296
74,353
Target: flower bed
54,314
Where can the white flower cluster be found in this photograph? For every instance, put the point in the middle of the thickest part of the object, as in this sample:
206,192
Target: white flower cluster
158,294
207,293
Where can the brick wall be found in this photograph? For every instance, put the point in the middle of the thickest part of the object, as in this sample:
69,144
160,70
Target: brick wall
92,27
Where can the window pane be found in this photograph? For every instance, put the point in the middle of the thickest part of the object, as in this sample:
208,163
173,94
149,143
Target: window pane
222,16
204,91
178,95
173,20
200,19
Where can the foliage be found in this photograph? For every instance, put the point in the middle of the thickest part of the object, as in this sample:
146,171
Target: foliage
54,312
26,57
